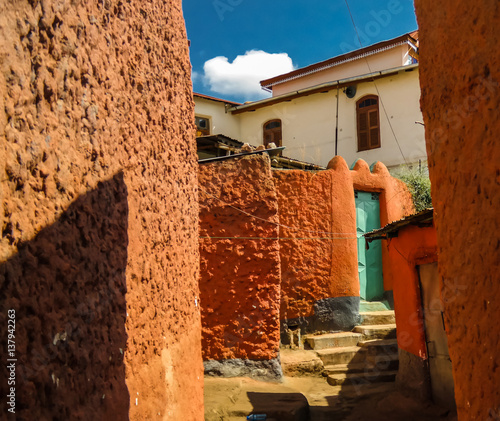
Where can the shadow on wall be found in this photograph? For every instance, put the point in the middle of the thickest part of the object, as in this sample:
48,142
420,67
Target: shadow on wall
67,287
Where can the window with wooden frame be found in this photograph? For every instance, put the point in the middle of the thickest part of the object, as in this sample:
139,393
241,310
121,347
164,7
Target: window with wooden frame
272,132
368,121
202,126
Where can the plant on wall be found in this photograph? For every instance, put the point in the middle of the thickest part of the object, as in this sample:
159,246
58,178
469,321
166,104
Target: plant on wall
418,183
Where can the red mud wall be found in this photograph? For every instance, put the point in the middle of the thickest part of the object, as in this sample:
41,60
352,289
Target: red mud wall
240,263
313,265
460,76
413,246
99,248
319,251
395,203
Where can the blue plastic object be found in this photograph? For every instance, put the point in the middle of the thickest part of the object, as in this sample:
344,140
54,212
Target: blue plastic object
257,417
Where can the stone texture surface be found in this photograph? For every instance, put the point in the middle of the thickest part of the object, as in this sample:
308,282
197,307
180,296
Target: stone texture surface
413,375
266,370
240,261
301,363
99,250
460,102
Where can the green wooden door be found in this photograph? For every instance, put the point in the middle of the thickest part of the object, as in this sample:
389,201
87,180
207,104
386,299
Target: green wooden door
371,282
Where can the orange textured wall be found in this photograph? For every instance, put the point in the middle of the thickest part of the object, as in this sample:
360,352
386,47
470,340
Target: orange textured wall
413,246
395,203
460,81
99,247
320,260
314,266
240,261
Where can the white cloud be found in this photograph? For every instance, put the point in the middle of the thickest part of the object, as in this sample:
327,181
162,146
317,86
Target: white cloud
195,76
242,76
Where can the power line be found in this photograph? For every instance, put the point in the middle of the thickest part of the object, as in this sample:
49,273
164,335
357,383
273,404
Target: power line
276,238
343,235
376,87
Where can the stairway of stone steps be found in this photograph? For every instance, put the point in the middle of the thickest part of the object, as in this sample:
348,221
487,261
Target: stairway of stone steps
367,355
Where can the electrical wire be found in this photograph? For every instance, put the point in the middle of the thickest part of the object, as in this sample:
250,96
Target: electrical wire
276,238
376,87
343,235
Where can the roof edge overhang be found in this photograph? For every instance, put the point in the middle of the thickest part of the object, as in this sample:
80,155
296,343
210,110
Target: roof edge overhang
423,218
324,87
267,84
212,98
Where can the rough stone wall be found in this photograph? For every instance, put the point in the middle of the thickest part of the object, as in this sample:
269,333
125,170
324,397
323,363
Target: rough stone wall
460,102
240,262
413,375
99,250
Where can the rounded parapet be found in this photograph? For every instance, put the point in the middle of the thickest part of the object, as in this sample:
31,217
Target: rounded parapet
338,163
361,166
379,168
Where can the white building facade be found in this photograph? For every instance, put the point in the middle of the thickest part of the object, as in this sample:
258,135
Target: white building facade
365,104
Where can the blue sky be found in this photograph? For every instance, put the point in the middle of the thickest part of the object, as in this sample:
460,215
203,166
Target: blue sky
235,43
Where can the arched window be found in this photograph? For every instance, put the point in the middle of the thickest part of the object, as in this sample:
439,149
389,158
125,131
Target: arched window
272,132
368,123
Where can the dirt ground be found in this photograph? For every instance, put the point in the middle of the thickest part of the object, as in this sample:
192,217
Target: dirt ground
312,399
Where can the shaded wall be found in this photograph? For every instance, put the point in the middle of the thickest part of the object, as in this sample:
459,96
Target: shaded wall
460,104
99,253
318,248
240,266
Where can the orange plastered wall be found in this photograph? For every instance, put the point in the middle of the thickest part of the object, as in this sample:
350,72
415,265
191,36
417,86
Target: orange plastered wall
322,205
318,251
239,260
460,102
412,247
395,202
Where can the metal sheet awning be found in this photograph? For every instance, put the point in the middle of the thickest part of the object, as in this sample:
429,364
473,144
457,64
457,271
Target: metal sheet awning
422,219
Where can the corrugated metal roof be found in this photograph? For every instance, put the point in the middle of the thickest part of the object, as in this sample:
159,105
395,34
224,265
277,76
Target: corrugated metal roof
422,218
232,146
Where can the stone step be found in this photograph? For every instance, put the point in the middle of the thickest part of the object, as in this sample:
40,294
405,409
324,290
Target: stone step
378,317
380,346
381,363
373,306
342,355
331,340
361,378
387,331
349,391
298,363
